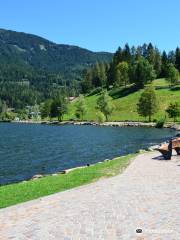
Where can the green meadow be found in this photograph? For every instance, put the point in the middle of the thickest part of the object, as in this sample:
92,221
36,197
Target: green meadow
125,101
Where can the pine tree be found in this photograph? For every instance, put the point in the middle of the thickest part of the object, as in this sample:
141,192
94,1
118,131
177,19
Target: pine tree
111,75
177,60
157,62
96,79
87,83
164,61
151,54
172,57
103,76
59,107
46,109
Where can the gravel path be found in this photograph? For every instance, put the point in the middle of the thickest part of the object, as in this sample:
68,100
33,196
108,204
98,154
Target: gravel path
145,196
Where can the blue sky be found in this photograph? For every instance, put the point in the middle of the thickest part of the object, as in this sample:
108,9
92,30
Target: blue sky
99,25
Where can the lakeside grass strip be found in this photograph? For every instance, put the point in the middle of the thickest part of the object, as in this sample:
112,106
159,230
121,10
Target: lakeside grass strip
21,192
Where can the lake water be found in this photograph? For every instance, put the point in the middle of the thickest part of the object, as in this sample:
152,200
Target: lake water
29,149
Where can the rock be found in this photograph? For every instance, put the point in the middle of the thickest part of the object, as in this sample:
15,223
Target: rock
106,160
140,151
37,176
54,174
152,148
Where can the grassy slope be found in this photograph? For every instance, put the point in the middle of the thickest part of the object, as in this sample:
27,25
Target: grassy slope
126,103
25,191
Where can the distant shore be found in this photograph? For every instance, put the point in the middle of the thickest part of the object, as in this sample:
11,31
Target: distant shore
175,126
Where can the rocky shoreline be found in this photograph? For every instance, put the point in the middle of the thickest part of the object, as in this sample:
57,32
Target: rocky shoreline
175,126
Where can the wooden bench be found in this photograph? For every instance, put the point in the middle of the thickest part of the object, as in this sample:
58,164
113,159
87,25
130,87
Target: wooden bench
166,149
176,145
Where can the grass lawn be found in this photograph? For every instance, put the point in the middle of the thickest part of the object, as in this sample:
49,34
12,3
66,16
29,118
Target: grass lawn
21,192
125,101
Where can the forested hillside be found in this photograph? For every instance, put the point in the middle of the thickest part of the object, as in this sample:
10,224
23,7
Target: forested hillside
31,67
134,65
37,77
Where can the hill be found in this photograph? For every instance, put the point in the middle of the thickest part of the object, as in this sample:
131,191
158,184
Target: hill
125,101
37,53
32,68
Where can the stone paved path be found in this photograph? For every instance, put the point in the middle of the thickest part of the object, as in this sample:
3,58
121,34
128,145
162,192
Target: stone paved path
146,196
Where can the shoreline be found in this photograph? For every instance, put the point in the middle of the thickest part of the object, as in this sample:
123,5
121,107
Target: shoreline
68,170
175,126
23,191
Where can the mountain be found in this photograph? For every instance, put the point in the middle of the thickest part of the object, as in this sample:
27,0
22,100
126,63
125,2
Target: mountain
33,69
33,53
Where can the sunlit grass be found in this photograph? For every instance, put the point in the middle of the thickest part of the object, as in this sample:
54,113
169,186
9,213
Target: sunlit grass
33,189
126,106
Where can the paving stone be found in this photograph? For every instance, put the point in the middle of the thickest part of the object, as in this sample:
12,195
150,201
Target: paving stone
145,196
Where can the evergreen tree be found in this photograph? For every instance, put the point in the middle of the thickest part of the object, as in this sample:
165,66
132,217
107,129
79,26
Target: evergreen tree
126,54
46,109
139,52
117,56
144,50
172,57
103,75
96,80
165,62
157,63
133,54
3,109
59,107
151,54
177,59
111,75
148,104
87,83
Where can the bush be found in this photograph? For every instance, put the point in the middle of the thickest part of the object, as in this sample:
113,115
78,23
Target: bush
100,117
160,123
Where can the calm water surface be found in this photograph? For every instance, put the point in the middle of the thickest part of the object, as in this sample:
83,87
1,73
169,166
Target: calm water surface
26,150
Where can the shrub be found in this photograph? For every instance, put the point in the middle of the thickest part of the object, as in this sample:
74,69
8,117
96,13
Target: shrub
100,117
160,123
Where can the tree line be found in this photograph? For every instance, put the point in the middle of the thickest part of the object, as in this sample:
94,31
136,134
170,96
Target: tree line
57,107
134,65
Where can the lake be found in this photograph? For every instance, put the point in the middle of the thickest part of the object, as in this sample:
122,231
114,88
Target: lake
30,149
